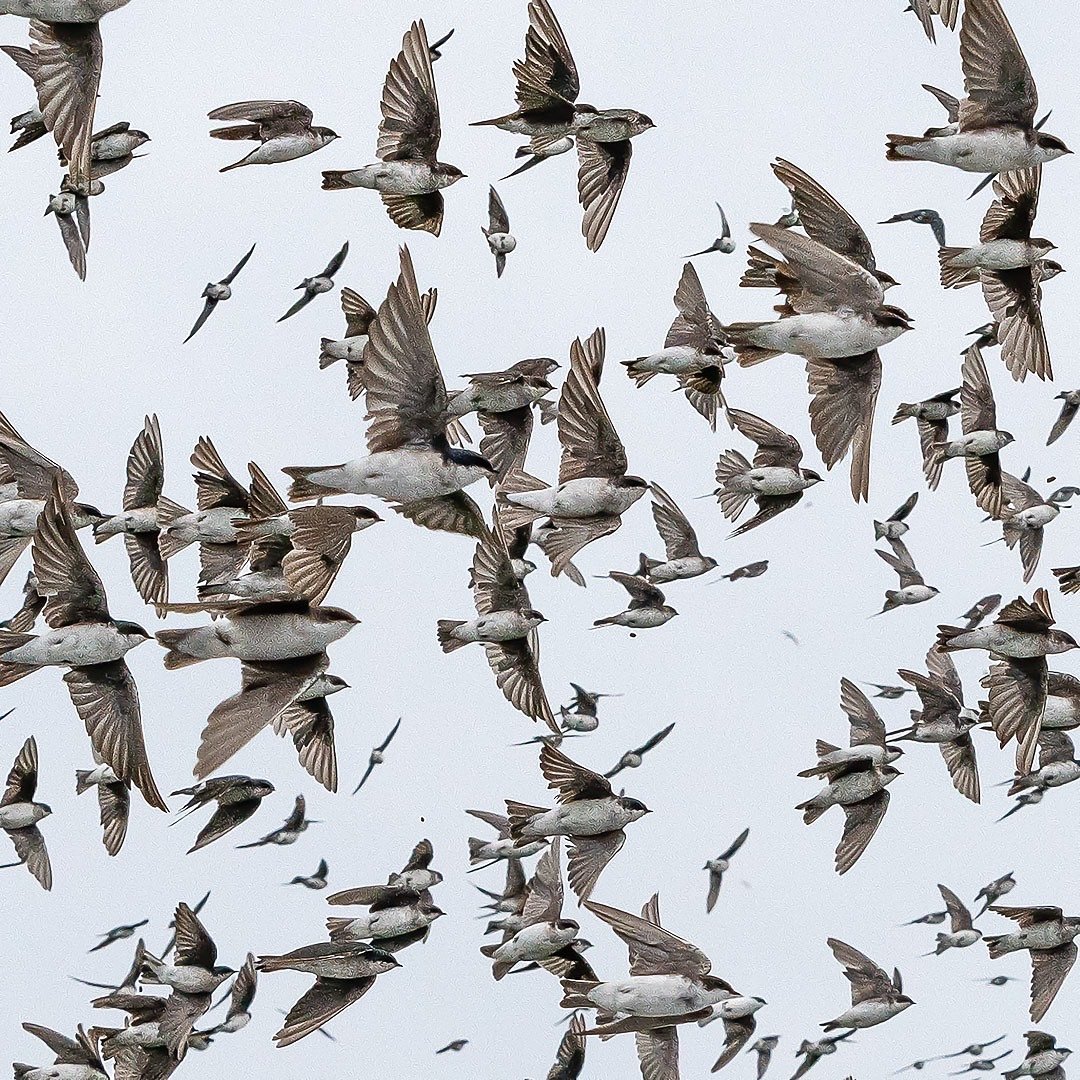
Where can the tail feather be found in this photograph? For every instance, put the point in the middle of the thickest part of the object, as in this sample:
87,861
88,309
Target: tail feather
894,142
994,945
515,483
946,634
303,488
633,369
445,632
489,950
576,991
325,360
903,411
337,928
739,338
81,782
475,847
173,641
168,511
955,277
334,180
811,811
520,814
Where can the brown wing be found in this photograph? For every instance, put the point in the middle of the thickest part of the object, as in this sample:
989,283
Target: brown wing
590,443
572,780
410,128
547,78
406,395
1017,700
23,776
423,213
997,79
216,486
602,172
506,440
1013,297
1049,967
105,697
194,946
695,325
775,448
862,820
680,540
867,727
653,950
1012,213
31,850
658,1053
145,467
517,674
456,513
959,755
319,1005
844,396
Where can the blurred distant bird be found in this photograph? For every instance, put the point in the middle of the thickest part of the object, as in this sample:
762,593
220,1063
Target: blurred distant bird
1044,1057
1030,797
981,1064
981,610
570,1057
813,1052
719,866
455,1045
875,997
1024,515
1069,409
723,242
922,217
314,881
118,933
895,525
215,292
750,570
409,176
378,755
962,932
764,1048
283,130
934,918
497,233
889,693
320,283
925,10
296,823
632,758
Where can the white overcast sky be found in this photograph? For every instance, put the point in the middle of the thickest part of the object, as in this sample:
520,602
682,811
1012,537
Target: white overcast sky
730,86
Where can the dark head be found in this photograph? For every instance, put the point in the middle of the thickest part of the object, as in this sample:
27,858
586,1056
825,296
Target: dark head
88,513
633,805
1051,145
886,281
468,458
1039,243
1049,268
710,562
131,629
380,956
435,912
813,477
337,682
533,614
140,137
632,482
326,134
260,788
364,516
1063,639
566,924
451,172
639,122
222,970
1007,436
333,615
759,1000
44,806
539,366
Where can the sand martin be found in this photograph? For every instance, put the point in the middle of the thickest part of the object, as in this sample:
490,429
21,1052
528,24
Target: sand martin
888,692
498,235
718,867
723,243
1057,764
933,918
750,570
669,984
343,972
932,418
415,878
1043,1056
65,64
764,1048
962,932
1009,265
812,1052
683,556
944,720
594,489
647,608
76,1059
138,524
775,481
992,893
283,130
454,1045
295,824
409,176
313,881
913,589
981,1064
866,738
19,814
925,10
856,782
410,462
981,439
322,282
589,813
85,638
922,217
1031,797
632,759
1048,935
695,350
544,934
378,755
570,1057
193,976
1020,638
1024,514
505,625
216,291
241,995
359,315
395,921
895,525
549,113
875,997
64,208
237,798
993,132
28,126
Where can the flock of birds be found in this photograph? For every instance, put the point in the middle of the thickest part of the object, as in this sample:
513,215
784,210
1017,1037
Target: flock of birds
268,563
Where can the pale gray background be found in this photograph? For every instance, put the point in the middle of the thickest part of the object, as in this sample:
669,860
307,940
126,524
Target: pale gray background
730,85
